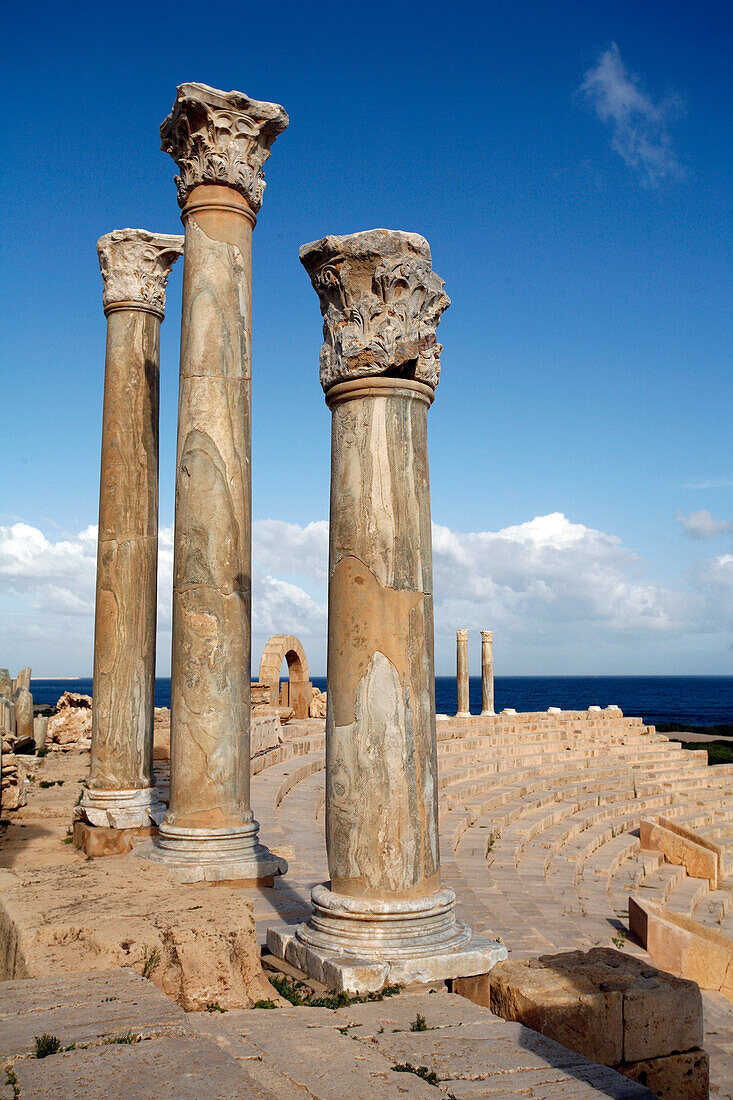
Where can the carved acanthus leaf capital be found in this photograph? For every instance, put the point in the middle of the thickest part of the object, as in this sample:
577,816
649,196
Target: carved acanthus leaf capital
462,635
487,635
381,303
135,266
221,137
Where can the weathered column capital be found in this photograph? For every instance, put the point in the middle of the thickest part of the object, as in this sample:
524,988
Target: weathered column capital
381,303
221,137
462,635
135,267
487,635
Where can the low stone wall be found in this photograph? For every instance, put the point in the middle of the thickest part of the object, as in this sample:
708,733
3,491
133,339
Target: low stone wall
683,946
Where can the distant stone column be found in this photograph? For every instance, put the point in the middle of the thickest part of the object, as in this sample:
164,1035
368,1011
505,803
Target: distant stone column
384,915
120,792
220,141
487,672
463,710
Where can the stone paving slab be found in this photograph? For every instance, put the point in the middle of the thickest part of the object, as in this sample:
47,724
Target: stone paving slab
83,1008
165,1067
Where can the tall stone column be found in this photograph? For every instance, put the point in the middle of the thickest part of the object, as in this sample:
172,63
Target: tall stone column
120,792
220,141
487,672
463,709
384,915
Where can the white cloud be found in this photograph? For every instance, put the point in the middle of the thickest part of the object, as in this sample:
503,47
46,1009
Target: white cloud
550,588
702,525
639,125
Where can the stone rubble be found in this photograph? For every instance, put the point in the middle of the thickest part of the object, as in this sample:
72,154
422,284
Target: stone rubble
71,726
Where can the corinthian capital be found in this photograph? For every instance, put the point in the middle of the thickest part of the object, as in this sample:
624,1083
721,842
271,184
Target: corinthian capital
381,303
462,635
135,267
221,137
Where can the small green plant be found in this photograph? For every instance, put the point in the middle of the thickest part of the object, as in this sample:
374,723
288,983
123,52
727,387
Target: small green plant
493,837
43,751
266,1003
59,782
214,1006
47,783
79,797
11,1078
47,1044
110,998
418,1024
299,994
428,1075
619,939
151,961
127,1040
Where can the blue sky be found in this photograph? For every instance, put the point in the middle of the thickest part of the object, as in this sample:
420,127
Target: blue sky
570,165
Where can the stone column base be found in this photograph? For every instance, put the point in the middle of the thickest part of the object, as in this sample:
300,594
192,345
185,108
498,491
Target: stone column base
487,714
99,840
361,945
214,855
136,808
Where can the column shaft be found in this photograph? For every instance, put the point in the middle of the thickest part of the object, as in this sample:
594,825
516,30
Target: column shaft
463,709
127,557
487,672
381,757
210,691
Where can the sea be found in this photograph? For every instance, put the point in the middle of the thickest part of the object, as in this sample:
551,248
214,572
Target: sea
693,701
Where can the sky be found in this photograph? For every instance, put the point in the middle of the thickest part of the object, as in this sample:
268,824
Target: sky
570,165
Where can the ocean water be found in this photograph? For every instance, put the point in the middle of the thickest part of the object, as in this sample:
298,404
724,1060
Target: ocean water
694,700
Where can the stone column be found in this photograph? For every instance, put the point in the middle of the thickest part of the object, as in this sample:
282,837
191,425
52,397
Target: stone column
120,792
220,141
463,709
384,915
487,672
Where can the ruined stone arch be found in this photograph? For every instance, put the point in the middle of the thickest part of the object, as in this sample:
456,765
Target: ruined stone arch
297,691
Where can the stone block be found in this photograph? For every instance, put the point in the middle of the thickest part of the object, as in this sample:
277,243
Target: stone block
683,946
675,1077
607,1005
682,848
265,733
476,988
567,1004
99,840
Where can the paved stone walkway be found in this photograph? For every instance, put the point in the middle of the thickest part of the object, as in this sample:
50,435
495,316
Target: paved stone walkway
130,1041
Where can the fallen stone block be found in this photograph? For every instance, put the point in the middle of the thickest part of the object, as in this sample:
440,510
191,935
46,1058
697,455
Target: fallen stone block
683,848
611,1007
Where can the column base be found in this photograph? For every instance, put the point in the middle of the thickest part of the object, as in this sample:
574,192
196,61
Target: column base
136,808
463,714
214,855
488,714
361,945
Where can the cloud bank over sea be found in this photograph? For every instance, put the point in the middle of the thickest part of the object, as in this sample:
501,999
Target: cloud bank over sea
562,598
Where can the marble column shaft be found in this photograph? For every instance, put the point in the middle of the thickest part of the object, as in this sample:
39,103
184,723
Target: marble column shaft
462,693
384,915
135,267
381,755
487,672
220,141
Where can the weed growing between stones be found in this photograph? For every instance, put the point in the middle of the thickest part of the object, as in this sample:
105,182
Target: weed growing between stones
214,1006
151,961
42,752
11,1079
299,994
126,1040
428,1075
619,939
47,1044
266,1003
418,1024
